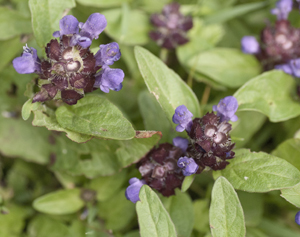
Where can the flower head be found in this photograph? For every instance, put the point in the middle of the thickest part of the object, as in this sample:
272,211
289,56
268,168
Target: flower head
182,117
226,109
133,190
71,70
171,27
250,45
181,142
283,8
285,67
28,62
188,165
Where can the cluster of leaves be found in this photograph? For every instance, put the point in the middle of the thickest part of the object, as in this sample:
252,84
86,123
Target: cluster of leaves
71,165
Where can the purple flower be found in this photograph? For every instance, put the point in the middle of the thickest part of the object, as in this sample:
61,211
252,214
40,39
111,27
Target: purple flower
107,54
188,165
109,79
250,45
226,109
68,25
295,66
297,218
182,117
94,25
285,67
283,8
181,142
133,190
28,62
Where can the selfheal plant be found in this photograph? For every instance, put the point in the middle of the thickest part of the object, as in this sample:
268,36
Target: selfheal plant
171,27
71,70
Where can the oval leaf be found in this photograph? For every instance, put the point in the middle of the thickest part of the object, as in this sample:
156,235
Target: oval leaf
59,202
154,220
259,172
96,116
270,94
129,27
28,107
226,215
290,151
292,195
187,182
229,67
102,3
168,88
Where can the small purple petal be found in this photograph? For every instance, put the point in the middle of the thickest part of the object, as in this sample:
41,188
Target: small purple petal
68,25
188,165
183,117
84,42
285,67
295,66
133,190
283,8
226,109
94,25
297,218
107,54
109,79
250,45
181,142
28,62
56,34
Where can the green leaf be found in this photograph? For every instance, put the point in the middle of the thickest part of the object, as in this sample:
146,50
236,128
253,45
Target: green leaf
154,220
226,214
270,94
259,172
201,212
96,116
233,12
180,208
45,117
45,17
187,182
276,229
151,113
252,204
102,3
229,67
59,202
9,49
292,195
114,211
246,126
13,23
28,107
289,150
47,227
129,27
166,86
107,186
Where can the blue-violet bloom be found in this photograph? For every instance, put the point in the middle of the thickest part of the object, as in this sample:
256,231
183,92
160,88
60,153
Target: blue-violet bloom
297,218
226,109
295,66
108,54
133,190
28,62
285,67
250,45
283,8
109,79
188,165
181,142
182,117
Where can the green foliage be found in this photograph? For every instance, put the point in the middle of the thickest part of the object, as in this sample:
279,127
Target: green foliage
226,215
153,218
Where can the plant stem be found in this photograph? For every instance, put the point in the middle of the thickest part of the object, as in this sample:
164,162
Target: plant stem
205,96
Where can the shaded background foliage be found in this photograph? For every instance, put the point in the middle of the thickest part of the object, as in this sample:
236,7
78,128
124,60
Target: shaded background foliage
47,179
